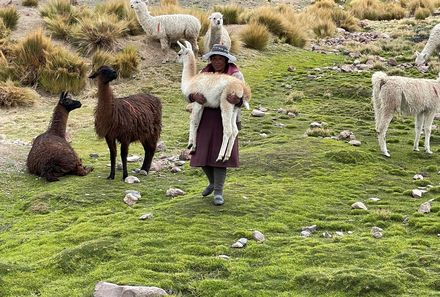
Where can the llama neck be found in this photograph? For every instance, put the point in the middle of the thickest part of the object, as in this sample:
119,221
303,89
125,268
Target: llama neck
189,70
104,109
144,17
429,48
59,121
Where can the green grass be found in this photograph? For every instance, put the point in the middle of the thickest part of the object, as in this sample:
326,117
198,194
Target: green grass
60,239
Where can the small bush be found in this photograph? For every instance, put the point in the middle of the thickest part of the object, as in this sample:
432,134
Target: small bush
4,67
320,132
231,13
422,13
101,58
58,27
123,12
10,17
255,36
126,62
101,33
236,43
12,96
30,2
64,71
413,5
271,19
324,28
4,32
58,8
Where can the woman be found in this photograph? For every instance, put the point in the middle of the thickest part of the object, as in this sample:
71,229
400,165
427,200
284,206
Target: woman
210,130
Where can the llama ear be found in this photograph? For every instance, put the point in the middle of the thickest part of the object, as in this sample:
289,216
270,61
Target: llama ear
63,95
188,45
180,44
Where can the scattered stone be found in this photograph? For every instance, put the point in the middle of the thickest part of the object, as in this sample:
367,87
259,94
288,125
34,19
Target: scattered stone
264,135
355,142
291,68
143,172
375,199
118,166
175,169
258,236
339,233
133,159
291,114
146,216
345,135
306,233
376,232
326,235
376,229
159,165
180,163
350,232
132,179
355,54
359,205
280,125
347,68
174,192
416,193
263,109
160,147
134,193
423,68
405,220
224,257
94,155
417,177
425,207
105,289
130,199
392,62
315,125
240,243
311,228
258,113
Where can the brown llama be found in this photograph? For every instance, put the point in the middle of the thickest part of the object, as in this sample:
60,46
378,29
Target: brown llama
51,156
128,119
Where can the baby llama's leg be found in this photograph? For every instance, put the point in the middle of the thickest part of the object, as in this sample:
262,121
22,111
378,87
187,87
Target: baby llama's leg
429,117
234,133
196,116
420,117
227,110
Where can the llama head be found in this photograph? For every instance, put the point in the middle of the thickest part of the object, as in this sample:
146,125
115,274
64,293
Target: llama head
105,74
185,50
420,58
68,103
216,19
138,3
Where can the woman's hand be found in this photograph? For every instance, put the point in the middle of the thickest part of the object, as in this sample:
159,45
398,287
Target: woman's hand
197,97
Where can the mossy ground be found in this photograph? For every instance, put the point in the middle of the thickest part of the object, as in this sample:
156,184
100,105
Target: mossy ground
60,239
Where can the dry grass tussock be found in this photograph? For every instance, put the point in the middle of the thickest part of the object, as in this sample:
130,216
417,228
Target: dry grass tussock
4,67
10,16
376,10
168,2
255,36
122,10
4,32
327,11
13,96
231,13
126,61
30,2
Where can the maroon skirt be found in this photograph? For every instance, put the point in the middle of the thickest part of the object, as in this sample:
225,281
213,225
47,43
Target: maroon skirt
209,141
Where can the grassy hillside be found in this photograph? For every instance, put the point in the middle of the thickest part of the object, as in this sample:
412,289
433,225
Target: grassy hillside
60,239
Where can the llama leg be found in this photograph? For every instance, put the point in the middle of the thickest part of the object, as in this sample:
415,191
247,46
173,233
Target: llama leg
234,134
111,143
418,130
196,116
194,45
429,117
124,154
382,127
164,44
227,116
148,157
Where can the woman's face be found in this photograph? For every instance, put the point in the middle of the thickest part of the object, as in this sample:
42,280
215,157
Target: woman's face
218,63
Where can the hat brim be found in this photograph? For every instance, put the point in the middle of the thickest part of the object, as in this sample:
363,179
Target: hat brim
231,58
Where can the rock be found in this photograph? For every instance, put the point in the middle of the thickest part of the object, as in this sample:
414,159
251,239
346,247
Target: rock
345,135
224,257
291,68
133,159
94,156
146,216
180,163
417,177
355,54
264,135
134,193
423,68
326,235
104,289
263,109
175,169
160,147
291,114
425,207
416,193
375,199
258,236
130,199
143,172
174,192
392,62
377,235
132,179
306,233
355,142
315,125
376,232
405,220
240,243
311,228
347,68
258,113
359,205
339,233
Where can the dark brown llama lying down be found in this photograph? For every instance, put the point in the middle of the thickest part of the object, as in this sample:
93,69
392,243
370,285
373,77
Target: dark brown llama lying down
51,156
128,119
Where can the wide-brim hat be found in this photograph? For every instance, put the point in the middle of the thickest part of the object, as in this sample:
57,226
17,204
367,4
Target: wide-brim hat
221,50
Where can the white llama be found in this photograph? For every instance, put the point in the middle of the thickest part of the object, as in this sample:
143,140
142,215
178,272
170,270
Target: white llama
431,46
216,34
215,87
418,97
167,28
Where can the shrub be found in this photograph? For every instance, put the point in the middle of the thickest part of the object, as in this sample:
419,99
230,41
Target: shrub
255,36
58,8
30,2
345,20
324,28
13,96
58,27
413,5
295,36
422,13
236,43
64,71
101,58
4,67
271,19
4,32
10,16
376,10
30,56
102,32
126,61
231,13
123,12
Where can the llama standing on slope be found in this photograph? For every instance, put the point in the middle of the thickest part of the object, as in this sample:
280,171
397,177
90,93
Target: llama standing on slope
215,87
216,34
418,97
431,46
167,28
51,156
128,119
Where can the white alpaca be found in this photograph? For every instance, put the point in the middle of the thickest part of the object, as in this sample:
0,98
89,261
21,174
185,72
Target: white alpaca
216,34
215,87
167,28
431,46
418,97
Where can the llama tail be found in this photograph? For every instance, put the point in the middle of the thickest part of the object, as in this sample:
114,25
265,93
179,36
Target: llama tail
378,80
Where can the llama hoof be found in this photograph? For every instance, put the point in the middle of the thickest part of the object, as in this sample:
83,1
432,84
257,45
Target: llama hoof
416,149
190,145
387,154
111,177
428,152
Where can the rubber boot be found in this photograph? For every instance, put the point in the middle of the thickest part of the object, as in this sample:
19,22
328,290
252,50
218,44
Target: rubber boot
219,182
209,171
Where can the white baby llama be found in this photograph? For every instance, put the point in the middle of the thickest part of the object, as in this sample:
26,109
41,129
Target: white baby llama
167,28
215,87
216,34
418,97
431,46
